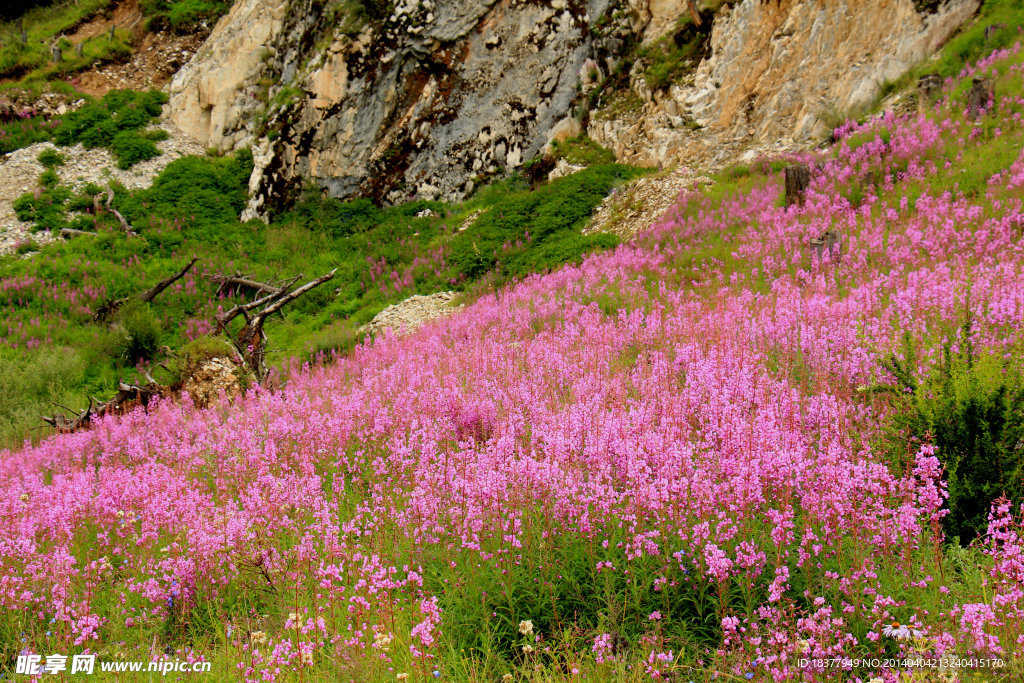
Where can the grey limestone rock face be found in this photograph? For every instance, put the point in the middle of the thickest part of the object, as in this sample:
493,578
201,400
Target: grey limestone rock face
418,104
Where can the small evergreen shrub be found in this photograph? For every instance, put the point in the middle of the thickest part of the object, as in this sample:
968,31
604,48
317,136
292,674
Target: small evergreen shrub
972,410
115,122
142,332
51,158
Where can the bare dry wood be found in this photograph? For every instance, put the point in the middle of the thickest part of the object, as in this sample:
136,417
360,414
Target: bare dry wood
798,179
241,281
127,397
107,309
154,291
125,227
71,232
251,341
694,11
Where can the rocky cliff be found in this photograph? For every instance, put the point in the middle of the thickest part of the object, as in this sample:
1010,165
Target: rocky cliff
417,103
778,73
424,99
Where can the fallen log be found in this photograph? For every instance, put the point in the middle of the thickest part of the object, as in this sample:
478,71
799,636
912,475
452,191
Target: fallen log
71,232
237,280
127,396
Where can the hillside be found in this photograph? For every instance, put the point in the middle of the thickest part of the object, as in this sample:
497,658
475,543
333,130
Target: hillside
733,447
513,341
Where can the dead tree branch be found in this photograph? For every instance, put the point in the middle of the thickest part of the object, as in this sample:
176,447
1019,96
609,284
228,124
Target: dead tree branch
107,309
128,396
694,11
238,280
71,232
251,341
154,291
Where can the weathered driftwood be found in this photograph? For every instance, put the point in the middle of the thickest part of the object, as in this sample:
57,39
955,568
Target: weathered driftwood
251,341
107,309
128,396
240,281
71,232
694,11
117,214
798,179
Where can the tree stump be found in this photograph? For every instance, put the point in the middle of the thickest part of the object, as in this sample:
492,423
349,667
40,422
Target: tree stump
798,178
829,243
928,88
979,96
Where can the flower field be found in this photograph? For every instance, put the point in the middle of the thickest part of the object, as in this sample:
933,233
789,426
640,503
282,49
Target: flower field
680,459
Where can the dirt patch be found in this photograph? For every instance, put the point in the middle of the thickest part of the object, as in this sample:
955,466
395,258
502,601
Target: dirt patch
152,64
641,202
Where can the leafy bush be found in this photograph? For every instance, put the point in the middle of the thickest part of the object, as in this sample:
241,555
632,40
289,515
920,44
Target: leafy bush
972,410
582,151
24,132
209,190
49,179
114,122
516,225
47,211
142,332
51,158
130,148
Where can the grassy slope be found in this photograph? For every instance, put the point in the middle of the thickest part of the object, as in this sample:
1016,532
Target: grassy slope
53,351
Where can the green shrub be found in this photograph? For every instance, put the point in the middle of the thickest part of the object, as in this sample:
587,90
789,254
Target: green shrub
24,132
47,211
142,332
114,122
129,148
49,179
972,410
582,151
508,236
51,158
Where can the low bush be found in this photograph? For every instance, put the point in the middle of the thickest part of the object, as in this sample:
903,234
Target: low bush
115,122
142,330
971,408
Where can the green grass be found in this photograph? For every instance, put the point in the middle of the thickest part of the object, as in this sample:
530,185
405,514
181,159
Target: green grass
969,45
34,58
182,14
382,255
581,151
